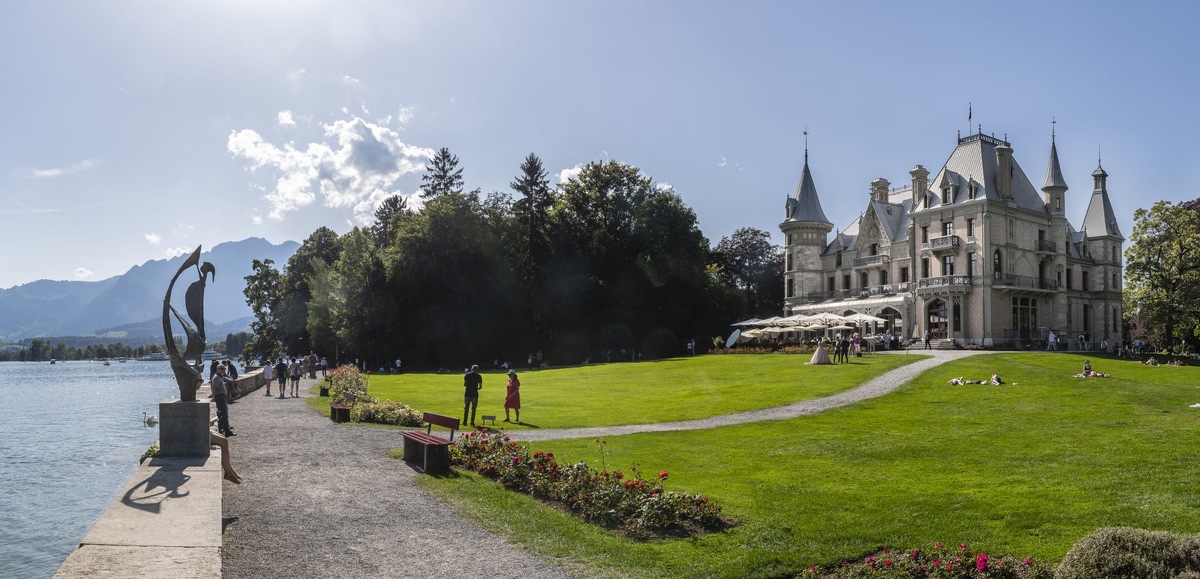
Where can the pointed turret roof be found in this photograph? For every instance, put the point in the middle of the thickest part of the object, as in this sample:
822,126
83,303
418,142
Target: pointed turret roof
805,205
1054,176
1100,220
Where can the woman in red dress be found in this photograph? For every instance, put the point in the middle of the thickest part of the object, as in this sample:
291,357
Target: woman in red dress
513,399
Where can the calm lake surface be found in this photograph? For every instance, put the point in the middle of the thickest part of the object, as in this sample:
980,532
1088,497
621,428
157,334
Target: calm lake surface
70,439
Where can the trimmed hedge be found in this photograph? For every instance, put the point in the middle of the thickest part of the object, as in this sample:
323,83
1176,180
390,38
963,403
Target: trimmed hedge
1121,552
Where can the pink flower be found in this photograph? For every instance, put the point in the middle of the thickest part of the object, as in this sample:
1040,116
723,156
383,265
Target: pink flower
914,555
663,475
938,545
962,547
981,563
1029,560
887,563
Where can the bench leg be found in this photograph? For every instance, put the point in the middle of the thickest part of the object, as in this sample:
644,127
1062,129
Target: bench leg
437,459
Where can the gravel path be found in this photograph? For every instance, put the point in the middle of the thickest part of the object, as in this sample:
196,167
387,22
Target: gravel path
324,500
878,386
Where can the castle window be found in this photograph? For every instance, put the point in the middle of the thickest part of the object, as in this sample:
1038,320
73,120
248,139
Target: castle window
1114,320
997,265
971,190
971,264
789,261
1114,252
864,280
924,267
1085,285
838,260
883,277
924,234
1057,203
948,265
830,283
1114,283
846,281
947,228
1070,279
791,287
789,239
970,227
904,275
874,249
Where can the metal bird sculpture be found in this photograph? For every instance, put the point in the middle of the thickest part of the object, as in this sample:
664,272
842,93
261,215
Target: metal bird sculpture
188,375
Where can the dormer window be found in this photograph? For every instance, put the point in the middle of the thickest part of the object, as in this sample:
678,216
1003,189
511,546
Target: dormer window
838,260
970,190
947,195
874,249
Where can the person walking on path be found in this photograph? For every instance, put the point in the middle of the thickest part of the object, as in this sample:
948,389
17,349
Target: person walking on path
1050,347
324,366
268,375
472,383
281,374
295,370
513,398
927,340
220,393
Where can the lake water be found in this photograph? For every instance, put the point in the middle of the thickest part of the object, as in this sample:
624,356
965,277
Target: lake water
70,439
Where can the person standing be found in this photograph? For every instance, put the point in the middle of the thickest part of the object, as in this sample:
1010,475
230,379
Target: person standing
513,398
324,366
312,365
472,383
268,375
281,374
219,386
397,365
1050,341
927,340
691,347
295,371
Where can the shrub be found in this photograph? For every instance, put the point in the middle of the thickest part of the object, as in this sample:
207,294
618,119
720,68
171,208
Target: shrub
1124,552
386,412
940,562
348,379
635,506
151,452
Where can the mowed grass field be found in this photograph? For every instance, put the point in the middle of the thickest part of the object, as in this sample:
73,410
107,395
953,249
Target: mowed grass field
639,392
1026,468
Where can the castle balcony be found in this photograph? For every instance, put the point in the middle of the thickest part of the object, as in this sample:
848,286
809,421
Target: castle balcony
1045,247
1024,282
944,285
872,260
943,244
859,293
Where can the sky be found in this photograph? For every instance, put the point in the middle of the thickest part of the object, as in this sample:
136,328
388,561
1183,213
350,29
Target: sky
137,130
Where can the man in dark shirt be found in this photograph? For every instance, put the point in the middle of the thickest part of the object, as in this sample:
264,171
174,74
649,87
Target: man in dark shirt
472,382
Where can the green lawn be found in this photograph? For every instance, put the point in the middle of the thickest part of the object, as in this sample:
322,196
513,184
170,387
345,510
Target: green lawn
1026,468
642,392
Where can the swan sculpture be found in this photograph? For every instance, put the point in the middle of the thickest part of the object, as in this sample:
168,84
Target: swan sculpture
149,419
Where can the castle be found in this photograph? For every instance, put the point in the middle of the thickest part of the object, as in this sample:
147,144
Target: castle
973,256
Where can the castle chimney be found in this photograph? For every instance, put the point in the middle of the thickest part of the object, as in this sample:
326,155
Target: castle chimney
920,182
879,190
1004,170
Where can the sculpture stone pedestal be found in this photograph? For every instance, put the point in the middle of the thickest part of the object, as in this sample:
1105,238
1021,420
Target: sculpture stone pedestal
183,428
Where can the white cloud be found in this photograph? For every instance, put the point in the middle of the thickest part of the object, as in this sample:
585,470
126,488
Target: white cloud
256,219
84,165
406,114
567,174
83,273
154,238
722,162
178,251
351,81
664,186
285,118
357,163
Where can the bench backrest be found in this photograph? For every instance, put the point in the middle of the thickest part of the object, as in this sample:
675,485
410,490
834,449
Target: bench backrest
441,420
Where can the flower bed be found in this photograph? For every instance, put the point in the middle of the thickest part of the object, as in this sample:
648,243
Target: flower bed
366,408
937,563
633,506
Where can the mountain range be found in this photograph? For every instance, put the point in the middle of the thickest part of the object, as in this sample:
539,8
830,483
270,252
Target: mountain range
130,305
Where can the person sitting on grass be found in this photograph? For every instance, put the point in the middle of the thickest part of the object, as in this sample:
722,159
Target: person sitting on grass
1152,361
996,381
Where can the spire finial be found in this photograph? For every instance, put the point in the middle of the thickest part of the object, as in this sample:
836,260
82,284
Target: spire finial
1098,163
1053,122
806,144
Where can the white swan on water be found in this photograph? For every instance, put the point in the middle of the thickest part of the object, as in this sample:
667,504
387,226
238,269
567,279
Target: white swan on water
149,419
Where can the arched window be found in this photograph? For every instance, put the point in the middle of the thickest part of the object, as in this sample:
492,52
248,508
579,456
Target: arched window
997,265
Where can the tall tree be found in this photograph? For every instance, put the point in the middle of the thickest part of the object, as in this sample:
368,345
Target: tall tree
749,262
321,245
381,230
1162,271
443,176
263,293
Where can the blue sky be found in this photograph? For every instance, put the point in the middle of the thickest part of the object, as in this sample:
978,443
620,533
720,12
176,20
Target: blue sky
137,130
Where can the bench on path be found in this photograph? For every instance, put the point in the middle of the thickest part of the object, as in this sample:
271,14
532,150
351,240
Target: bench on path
341,412
429,452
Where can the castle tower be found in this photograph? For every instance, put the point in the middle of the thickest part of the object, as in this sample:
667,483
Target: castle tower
805,229
1104,243
1054,247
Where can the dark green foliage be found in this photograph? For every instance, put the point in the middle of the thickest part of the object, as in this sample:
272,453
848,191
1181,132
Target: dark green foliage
443,176
1120,553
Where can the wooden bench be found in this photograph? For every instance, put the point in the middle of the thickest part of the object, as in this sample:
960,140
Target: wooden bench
341,412
430,453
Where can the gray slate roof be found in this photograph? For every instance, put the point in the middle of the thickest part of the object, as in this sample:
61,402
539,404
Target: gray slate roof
974,161
805,205
1100,219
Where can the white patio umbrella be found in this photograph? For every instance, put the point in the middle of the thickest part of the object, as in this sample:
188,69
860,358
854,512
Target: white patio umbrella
764,323
745,322
779,329
863,318
827,318
752,333
841,327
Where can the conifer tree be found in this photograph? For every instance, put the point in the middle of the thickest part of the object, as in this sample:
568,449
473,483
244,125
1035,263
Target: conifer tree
442,176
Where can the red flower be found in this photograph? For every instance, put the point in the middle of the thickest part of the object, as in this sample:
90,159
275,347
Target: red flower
888,562
981,563
938,544
1029,560
663,475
